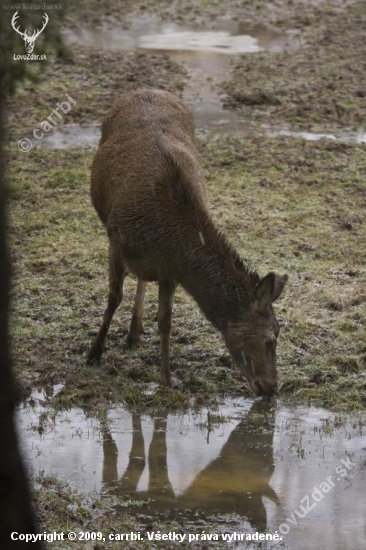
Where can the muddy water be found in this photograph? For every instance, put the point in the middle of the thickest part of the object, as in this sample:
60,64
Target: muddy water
245,466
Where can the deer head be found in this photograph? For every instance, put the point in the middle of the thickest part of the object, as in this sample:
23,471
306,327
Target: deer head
252,339
29,40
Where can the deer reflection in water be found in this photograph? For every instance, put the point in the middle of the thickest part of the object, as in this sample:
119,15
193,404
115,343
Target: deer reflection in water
234,482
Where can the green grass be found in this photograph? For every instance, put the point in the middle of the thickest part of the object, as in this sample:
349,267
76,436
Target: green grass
296,207
287,205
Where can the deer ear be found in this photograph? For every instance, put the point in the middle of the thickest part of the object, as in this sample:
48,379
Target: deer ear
280,282
263,292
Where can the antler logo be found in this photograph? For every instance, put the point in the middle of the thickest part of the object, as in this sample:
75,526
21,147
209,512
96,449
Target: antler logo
29,41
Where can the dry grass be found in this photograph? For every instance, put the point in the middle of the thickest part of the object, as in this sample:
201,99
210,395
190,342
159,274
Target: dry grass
323,82
287,205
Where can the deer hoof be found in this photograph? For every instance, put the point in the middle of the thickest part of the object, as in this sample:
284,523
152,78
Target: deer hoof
94,357
132,340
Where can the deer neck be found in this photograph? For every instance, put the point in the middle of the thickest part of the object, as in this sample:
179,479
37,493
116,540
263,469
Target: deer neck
215,276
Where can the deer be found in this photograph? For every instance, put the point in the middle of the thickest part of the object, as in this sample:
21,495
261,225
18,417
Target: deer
148,189
29,41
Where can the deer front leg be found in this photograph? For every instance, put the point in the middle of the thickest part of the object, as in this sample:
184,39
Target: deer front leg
166,293
117,273
136,328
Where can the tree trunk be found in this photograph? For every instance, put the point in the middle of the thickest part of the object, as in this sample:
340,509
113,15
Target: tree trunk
15,508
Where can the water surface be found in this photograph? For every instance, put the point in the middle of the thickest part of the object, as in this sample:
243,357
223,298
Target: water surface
246,465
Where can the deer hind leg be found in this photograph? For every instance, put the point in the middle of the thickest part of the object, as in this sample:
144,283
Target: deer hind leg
166,293
159,482
137,460
117,273
136,328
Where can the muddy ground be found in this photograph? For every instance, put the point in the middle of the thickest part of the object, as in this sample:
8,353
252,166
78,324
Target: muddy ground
286,204
95,78
322,82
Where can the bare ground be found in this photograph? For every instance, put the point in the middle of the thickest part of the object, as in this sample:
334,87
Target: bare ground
321,83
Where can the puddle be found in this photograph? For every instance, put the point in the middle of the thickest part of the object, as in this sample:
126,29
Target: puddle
244,465
209,120
345,137
151,34
209,42
70,136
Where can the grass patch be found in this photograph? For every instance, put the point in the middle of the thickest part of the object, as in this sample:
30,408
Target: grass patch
62,510
282,202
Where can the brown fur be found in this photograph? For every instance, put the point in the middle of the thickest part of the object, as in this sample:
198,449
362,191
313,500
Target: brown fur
149,191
